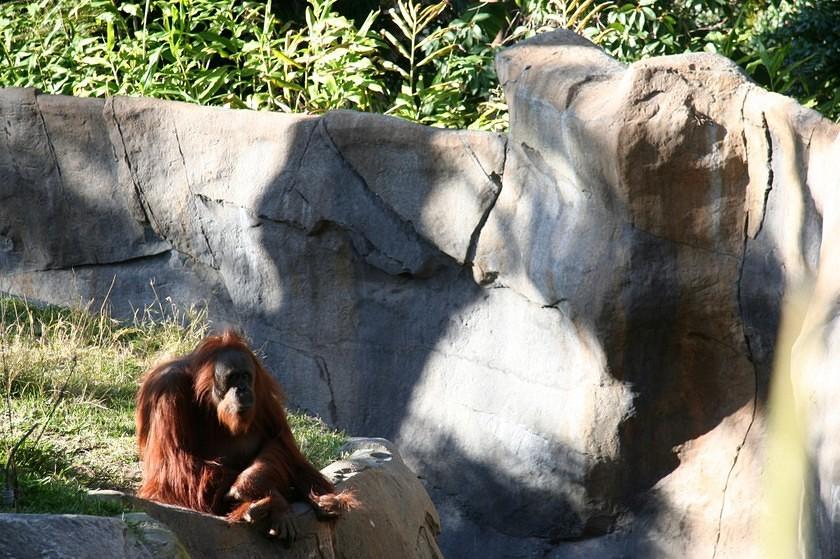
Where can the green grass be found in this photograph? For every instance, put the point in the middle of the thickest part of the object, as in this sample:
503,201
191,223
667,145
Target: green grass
317,441
68,378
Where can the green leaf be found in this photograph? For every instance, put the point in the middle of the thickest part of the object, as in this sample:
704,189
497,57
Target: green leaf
388,65
429,13
437,54
397,45
405,26
285,84
130,9
212,38
433,37
216,80
279,54
95,60
365,28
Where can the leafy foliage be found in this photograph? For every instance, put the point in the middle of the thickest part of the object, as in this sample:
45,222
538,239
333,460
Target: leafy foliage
444,71
425,60
803,41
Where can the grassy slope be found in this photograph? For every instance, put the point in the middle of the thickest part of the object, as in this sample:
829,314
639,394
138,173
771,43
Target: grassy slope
90,365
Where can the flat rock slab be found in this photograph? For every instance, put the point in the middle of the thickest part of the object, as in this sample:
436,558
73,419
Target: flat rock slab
30,536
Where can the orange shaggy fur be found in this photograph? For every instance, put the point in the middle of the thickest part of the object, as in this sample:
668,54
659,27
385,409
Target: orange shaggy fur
198,454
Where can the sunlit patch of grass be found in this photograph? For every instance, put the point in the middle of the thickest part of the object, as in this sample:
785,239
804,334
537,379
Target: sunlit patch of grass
68,378
316,439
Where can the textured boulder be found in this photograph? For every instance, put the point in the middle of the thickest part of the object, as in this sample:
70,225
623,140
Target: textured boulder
665,207
30,536
568,331
624,207
397,518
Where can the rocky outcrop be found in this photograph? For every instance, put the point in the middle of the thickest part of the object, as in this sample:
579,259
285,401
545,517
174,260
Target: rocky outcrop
569,331
666,207
137,536
396,519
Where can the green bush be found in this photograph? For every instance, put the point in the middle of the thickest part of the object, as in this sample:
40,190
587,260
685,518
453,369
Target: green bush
431,62
806,37
205,51
238,54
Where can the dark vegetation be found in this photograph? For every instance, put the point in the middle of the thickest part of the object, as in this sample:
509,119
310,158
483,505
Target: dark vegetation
430,62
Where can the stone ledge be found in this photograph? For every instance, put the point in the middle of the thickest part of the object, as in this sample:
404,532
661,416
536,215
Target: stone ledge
397,519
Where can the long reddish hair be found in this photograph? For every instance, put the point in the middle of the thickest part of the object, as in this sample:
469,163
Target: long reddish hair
182,427
171,393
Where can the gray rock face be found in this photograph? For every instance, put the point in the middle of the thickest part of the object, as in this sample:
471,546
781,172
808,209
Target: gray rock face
568,331
67,182
31,536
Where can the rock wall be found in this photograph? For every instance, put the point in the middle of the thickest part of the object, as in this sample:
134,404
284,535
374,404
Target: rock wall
568,331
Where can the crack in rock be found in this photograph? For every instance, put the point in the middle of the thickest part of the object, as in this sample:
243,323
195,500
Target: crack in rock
86,265
770,176
756,380
145,207
121,261
496,179
361,245
768,163
323,372
492,176
49,140
739,299
707,250
302,159
213,261
375,198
